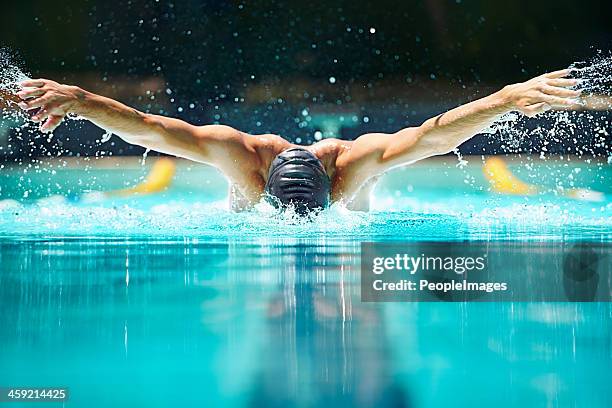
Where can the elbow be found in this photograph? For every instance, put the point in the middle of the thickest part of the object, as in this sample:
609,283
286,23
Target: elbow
142,130
153,128
441,148
444,148
151,121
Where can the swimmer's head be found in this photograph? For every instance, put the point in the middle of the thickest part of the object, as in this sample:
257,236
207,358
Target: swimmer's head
297,178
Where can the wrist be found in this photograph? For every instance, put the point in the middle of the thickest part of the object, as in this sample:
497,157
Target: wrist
504,100
81,101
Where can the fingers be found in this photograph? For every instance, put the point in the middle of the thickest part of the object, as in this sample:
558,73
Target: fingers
31,93
40,116
564,82
536,109
52,123
563,103
32,83
33,97
32,103
562,92
557,74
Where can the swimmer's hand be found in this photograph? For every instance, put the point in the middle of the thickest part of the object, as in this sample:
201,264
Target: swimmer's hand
543,93
53,101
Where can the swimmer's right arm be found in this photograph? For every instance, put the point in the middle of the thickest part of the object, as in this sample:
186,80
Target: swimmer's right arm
211,144
443,133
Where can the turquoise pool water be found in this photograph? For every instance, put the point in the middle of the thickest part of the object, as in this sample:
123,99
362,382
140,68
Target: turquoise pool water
170,300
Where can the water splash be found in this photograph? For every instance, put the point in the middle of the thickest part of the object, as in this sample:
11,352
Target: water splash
461,162
11,115
514,130
427,217
10,76
10,73
144,157
595,75
572,136
106,137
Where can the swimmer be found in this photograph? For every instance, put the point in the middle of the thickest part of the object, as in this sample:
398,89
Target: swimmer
304,177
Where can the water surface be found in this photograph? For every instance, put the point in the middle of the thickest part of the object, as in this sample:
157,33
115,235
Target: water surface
170,300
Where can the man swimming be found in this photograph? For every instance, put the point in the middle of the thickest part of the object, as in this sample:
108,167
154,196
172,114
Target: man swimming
304,177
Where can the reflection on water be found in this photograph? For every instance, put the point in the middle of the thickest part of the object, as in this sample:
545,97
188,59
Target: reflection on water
276,323
323,346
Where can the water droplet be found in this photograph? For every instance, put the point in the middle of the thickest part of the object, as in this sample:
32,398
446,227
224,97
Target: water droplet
106,137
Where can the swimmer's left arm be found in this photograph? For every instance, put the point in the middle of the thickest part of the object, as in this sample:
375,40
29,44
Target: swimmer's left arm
445,132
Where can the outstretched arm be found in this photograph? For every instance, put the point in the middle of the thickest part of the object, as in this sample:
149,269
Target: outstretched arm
212,144
441,134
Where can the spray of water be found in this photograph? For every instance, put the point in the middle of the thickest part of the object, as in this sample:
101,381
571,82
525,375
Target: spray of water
595,75
20,136
595,82
10,73
572,136
513,130
10,76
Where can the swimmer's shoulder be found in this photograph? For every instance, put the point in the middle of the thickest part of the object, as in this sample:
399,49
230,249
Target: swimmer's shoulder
268,142
266,146
329,146
328,150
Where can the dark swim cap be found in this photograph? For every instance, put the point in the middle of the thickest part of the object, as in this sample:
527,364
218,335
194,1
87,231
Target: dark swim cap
297,177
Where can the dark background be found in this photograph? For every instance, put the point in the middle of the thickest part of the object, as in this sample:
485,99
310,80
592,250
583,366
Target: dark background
265,66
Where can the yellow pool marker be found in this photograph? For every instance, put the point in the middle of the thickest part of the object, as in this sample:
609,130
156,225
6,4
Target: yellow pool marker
502,181
159,179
